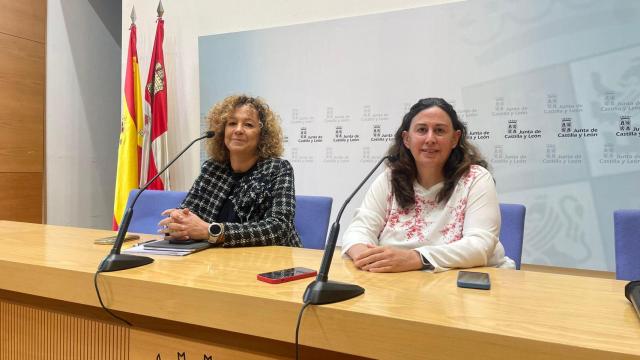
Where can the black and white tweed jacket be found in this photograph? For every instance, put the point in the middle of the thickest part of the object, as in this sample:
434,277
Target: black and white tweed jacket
264,200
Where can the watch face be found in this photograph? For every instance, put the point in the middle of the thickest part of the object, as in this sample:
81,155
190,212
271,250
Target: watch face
215,229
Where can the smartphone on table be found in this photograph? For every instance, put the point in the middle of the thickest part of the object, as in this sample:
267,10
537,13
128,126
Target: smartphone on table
284,275
474,280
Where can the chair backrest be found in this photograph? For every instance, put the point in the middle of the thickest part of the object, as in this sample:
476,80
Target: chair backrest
626,228
151,203
512,230
312,219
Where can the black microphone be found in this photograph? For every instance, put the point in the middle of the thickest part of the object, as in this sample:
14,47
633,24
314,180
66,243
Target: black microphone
323,291
116,261
632,292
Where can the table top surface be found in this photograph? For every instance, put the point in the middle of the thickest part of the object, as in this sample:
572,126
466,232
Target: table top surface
526,308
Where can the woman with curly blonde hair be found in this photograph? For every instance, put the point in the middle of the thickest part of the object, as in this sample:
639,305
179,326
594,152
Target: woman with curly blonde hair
245,193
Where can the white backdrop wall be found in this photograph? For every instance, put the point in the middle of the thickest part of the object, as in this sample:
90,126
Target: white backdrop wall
82,111
549,90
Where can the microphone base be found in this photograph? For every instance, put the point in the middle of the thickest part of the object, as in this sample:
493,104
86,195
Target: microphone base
632,292
116,262
327,292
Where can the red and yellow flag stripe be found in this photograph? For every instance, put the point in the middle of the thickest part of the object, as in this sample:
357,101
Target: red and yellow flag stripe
131,125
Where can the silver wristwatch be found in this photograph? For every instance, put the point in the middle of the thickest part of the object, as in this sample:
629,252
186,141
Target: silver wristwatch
216,230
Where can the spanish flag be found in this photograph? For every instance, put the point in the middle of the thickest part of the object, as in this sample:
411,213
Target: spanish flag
131,125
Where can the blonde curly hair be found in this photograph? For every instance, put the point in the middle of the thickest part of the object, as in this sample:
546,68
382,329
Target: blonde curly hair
270,143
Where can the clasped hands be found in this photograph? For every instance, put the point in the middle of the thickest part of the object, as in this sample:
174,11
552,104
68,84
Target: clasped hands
373,258
182,224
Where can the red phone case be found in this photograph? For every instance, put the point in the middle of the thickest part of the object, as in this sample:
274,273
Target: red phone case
286,279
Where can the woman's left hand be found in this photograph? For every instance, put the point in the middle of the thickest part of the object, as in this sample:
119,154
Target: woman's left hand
387,259
182,224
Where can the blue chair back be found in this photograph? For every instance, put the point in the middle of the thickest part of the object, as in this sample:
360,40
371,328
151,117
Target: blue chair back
312,220
151,203
626,228
512,230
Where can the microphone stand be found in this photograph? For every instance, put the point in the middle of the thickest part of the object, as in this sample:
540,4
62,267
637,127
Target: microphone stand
115,260
322,291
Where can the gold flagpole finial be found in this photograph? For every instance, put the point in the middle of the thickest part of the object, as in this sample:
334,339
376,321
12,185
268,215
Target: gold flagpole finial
160,9
133,14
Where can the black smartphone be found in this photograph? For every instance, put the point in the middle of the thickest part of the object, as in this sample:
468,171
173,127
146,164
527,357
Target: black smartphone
474,280
284,275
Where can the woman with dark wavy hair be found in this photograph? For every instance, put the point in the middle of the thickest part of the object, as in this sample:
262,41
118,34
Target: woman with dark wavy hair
245,193
435,208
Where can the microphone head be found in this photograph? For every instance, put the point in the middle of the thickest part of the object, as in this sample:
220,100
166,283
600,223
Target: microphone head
209,134
393,158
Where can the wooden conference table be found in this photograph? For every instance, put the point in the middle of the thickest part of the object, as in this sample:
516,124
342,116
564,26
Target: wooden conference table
209,305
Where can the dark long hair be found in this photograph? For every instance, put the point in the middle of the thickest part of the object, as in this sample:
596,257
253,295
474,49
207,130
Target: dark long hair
404,171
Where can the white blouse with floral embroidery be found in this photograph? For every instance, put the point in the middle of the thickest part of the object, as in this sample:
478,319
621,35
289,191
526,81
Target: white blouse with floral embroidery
461,233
